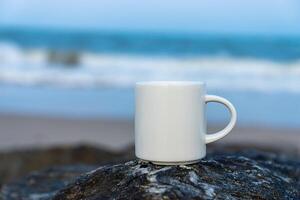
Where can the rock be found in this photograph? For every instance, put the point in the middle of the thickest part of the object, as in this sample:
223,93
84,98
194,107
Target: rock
66,58
15,164
244,175
44,184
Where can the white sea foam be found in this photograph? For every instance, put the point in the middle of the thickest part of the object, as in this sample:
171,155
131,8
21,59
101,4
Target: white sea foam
31,67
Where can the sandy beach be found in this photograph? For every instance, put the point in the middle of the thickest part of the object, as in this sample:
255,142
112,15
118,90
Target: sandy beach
27,131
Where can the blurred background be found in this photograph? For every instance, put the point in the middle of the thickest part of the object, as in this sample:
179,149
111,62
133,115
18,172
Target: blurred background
68,68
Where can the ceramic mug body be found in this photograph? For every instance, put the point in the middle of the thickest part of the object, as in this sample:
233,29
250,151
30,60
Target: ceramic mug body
170,123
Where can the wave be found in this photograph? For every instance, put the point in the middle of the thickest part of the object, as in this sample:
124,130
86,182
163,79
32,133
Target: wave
41,67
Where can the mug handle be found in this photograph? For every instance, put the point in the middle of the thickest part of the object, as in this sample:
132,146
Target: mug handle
220,134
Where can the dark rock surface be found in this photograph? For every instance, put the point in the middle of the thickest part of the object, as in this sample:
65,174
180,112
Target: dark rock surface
17,163
244,175
44,184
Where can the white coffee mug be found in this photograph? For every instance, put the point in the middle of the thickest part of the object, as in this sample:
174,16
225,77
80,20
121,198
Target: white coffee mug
170,122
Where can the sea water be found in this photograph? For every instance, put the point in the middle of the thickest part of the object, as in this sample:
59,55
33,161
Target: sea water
92,74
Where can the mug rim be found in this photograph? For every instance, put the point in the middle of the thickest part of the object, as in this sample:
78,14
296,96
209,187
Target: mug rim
168,83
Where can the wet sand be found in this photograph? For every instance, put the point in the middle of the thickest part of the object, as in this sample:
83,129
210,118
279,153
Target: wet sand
25,131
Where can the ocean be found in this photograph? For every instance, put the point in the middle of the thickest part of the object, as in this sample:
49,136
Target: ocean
92,74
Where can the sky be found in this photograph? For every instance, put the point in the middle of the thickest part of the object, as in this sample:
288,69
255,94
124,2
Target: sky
189,16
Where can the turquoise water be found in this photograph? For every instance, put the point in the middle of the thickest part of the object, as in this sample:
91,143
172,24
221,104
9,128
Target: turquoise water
83,59
84,74
273,48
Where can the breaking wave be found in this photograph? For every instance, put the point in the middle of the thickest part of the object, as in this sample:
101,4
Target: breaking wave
84,69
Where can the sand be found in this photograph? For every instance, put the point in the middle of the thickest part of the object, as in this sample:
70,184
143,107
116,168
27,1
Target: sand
26,131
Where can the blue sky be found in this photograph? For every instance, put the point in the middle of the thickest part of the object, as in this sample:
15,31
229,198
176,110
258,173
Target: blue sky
191,16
